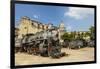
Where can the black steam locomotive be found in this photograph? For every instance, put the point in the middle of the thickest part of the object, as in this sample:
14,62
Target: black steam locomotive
44,43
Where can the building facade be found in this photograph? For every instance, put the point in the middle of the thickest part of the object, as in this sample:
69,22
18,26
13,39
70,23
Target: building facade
28,26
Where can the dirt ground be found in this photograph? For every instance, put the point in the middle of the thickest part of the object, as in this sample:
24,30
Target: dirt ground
84,54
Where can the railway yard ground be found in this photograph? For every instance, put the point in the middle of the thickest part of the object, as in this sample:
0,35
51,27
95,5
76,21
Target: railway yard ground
79,55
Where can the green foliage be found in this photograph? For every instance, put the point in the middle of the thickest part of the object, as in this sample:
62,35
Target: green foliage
68,36
65,36
77,35
92,32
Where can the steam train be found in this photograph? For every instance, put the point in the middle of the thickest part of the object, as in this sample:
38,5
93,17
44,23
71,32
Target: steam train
44,43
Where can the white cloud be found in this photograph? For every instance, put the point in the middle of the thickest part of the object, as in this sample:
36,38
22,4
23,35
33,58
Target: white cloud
35,16
79,13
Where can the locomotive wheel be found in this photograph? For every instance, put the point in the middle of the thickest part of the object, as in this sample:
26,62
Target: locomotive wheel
17,50
55,56
44,54
34,51
21,49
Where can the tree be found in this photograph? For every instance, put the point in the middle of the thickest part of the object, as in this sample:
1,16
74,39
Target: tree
92,32
67,36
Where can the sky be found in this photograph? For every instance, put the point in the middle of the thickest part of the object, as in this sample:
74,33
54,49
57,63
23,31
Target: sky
74,18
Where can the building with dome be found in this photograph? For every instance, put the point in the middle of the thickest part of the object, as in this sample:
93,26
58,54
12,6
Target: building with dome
61,30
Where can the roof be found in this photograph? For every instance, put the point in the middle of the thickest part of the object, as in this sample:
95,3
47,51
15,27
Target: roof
38,22
33,21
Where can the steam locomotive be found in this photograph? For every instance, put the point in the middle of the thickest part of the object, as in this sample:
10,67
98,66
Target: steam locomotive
44,43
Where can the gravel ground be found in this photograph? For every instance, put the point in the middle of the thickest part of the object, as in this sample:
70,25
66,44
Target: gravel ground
84,54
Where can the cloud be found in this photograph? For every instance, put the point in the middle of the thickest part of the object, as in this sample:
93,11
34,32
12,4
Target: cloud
79,13
35,16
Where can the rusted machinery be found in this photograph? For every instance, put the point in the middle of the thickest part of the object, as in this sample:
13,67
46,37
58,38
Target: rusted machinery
44,43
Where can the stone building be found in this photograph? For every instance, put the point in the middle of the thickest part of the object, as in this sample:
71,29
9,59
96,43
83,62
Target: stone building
28,26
